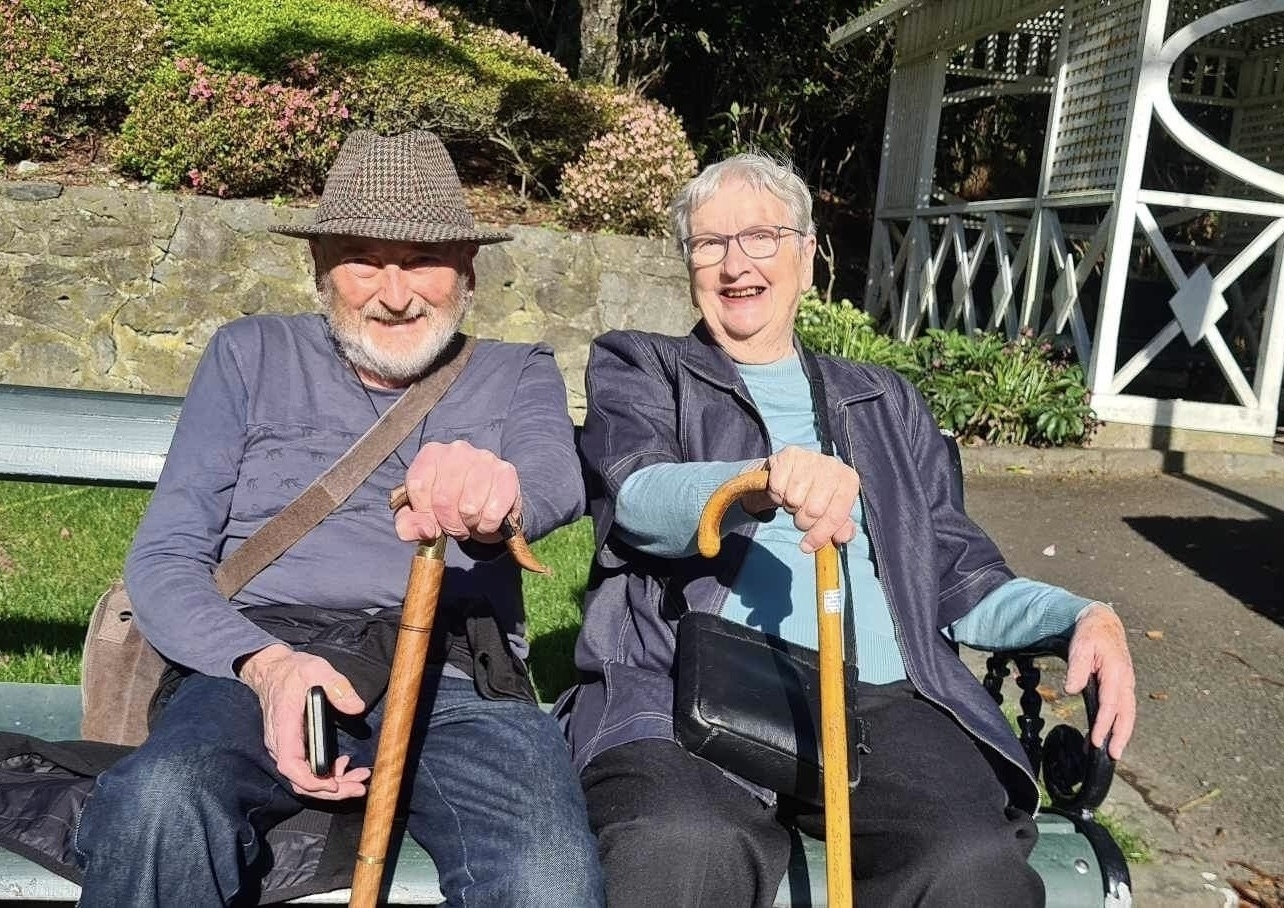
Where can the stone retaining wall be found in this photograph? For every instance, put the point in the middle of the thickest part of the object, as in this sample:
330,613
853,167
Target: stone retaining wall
120,289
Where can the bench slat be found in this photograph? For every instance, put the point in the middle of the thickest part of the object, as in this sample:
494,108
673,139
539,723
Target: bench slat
48,711
55,433
25,881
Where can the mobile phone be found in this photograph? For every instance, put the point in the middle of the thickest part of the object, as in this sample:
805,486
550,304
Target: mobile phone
318,733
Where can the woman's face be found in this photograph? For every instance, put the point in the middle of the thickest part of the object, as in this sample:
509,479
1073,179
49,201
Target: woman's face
748,304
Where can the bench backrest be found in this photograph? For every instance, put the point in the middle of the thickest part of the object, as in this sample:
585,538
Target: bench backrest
94,436
111,437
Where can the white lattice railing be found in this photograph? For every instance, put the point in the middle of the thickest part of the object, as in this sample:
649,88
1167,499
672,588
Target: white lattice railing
1019,264
1010,265
1014,266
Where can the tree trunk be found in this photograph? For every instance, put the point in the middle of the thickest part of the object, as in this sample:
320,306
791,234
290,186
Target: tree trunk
600,40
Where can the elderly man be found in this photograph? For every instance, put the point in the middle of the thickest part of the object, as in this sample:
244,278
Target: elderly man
490,792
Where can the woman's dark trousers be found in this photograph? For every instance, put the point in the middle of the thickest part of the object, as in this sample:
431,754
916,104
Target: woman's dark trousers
931,823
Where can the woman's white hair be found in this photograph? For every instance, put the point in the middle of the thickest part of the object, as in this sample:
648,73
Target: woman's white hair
757,171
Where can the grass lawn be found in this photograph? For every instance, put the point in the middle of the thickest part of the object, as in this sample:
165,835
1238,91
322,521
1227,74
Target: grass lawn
62,545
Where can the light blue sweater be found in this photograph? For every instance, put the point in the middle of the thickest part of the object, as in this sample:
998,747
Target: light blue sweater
658,509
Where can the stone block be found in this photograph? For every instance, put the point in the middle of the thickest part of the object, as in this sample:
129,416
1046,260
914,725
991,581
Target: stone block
1164,438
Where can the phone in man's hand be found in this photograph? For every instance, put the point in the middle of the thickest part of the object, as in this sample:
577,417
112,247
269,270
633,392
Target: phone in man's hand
318,732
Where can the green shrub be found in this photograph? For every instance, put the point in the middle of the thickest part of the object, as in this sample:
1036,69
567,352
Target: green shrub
979,386
400,68
623,181
67,69
230,134
502,107
505,106
840,329
441,70
263,37
544,125
431,94
1023,391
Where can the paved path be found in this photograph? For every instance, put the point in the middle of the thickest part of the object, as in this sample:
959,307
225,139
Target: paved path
1196,569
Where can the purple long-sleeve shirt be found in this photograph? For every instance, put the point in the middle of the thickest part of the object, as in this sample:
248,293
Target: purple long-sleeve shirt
270,407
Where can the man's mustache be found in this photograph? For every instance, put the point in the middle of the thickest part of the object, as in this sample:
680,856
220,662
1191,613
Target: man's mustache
381,313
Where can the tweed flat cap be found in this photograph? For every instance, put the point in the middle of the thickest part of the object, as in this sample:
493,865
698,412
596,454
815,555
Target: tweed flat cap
401,187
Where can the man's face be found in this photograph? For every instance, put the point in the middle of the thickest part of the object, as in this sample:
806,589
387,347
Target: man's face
393,306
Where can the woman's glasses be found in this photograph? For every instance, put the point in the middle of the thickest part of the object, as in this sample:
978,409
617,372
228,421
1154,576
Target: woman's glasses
760,242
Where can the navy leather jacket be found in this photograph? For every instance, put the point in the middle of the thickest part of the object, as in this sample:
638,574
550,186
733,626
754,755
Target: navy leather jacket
658,399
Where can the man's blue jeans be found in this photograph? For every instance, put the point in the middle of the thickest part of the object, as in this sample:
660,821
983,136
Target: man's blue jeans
491,796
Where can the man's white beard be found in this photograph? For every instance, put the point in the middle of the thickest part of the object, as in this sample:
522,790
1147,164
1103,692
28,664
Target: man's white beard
396,368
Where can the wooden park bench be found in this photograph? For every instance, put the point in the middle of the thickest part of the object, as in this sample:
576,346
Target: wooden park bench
112,438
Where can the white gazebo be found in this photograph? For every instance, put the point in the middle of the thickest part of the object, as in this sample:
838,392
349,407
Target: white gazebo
1083,255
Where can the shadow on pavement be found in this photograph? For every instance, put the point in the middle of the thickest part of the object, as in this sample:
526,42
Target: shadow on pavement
1243,557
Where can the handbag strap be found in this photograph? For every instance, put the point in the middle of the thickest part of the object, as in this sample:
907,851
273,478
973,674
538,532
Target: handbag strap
333,487
820,403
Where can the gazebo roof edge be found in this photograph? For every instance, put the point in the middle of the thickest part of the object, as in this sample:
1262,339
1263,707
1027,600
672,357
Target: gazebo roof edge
867,20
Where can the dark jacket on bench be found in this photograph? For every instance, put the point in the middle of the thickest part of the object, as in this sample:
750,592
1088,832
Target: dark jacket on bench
43,785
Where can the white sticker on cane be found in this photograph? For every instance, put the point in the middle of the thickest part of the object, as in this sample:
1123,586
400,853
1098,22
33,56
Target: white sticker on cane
832,601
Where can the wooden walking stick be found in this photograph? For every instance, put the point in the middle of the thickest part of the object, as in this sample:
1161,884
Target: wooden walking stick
415,633
833,710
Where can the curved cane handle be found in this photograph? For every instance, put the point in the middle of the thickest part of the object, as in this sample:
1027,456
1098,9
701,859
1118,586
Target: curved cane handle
708,539
510,529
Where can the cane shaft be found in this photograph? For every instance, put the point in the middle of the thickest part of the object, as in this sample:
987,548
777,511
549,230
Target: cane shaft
833,710
833,730
413,637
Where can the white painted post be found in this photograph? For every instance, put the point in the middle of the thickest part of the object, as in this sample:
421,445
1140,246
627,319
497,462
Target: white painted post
1119,248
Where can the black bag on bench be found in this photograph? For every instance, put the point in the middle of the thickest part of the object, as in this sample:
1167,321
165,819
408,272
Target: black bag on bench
749,702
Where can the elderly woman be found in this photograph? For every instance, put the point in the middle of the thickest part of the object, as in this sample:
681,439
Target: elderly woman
942,813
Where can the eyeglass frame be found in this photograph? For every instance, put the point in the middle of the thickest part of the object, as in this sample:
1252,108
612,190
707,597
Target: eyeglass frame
726,239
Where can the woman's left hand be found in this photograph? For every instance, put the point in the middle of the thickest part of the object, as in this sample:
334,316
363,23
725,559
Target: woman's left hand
1099,647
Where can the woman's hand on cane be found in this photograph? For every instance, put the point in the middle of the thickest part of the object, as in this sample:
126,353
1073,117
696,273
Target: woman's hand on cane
818,491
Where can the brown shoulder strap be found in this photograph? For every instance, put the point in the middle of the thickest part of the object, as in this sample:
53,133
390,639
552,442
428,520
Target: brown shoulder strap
333,487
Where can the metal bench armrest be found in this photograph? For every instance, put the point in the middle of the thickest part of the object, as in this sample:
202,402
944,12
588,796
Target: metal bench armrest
1076,774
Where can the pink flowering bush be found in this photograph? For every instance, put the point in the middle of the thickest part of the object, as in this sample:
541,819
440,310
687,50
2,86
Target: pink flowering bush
67,70
398,65
623,181
232,134
253,97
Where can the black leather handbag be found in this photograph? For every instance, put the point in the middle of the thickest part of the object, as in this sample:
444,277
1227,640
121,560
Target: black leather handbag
749,702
